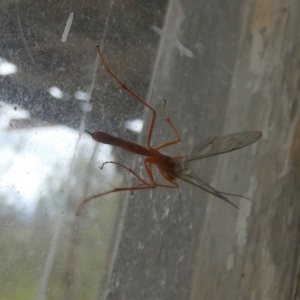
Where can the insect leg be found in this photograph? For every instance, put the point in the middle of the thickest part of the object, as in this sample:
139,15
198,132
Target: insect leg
145,185
148,166
178,139
128,90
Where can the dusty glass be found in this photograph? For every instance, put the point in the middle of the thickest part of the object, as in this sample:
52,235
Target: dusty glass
222,67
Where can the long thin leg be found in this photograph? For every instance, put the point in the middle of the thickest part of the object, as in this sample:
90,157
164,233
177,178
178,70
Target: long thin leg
85,201
149,138
144,186
178,139
148,166
134,95
126,168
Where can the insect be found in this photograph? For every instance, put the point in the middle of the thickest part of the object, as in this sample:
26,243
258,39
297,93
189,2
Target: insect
171,168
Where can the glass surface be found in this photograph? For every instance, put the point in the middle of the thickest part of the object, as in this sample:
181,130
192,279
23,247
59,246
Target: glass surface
52,89
222,67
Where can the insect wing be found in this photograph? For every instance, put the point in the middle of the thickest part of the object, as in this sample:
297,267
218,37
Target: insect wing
191,177
217,145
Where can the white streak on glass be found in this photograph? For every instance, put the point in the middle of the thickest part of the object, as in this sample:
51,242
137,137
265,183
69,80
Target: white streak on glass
67,28
172,38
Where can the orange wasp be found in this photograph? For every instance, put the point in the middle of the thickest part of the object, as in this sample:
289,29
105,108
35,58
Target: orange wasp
170,168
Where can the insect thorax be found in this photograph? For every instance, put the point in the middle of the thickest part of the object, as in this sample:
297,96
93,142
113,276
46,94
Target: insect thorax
180,164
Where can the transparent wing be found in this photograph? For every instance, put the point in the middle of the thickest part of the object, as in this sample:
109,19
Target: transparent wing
191,177
217,145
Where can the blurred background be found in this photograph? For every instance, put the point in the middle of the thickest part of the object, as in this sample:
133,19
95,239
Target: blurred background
223,67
